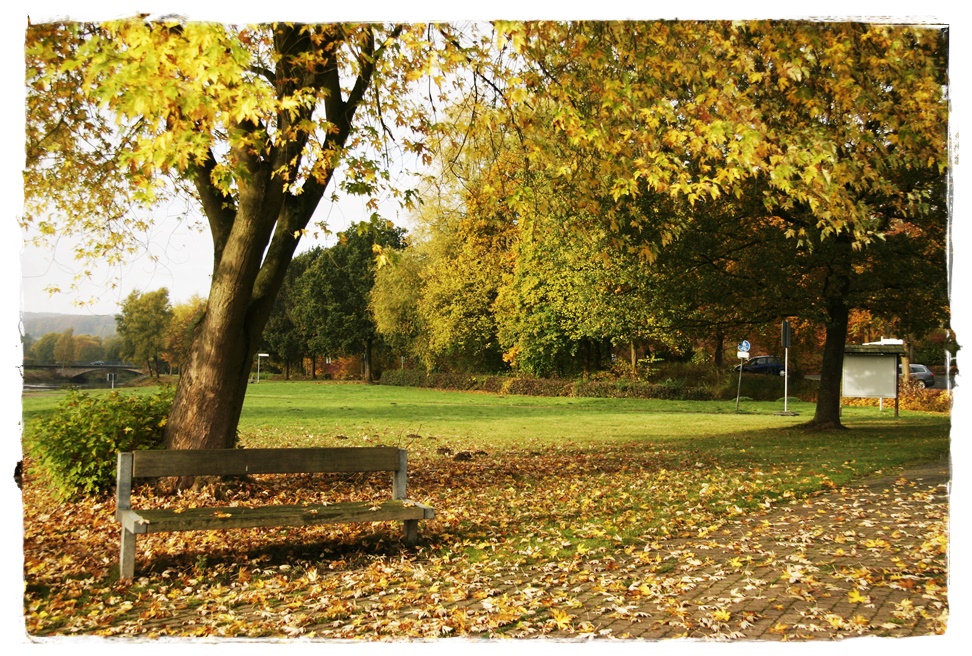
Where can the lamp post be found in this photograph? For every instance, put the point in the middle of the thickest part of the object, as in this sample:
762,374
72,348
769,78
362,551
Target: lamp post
260,355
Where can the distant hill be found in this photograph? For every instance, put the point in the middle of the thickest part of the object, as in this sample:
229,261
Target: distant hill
38,324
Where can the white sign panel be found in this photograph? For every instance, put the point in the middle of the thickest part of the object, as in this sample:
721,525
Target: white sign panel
742,355
870,376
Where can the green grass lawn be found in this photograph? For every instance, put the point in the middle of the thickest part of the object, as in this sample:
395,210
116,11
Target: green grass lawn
304,414
309,412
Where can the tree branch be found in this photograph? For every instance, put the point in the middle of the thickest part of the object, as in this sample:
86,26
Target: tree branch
220,208
297,210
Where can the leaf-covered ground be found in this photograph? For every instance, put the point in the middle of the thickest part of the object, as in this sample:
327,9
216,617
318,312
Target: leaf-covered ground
614,541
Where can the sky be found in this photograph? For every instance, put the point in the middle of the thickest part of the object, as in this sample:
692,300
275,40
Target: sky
178,255
185,257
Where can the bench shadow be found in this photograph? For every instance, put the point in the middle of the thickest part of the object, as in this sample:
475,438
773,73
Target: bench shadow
336,551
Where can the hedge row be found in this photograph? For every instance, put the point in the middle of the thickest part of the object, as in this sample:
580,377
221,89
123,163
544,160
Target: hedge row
761,388
544,386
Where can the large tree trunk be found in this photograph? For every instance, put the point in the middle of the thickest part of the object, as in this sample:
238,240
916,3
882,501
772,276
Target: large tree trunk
827,414
209,398
368,376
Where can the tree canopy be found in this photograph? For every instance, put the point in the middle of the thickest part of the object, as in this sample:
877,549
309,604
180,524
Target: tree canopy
143,326
829,115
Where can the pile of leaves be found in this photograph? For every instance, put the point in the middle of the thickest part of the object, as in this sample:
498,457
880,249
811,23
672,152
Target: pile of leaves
631,540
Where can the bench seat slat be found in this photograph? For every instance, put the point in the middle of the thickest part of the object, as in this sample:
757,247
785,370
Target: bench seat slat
215,518
239,462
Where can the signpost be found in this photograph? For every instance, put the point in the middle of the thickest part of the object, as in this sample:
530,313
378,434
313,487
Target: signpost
787,339
742,352
260,355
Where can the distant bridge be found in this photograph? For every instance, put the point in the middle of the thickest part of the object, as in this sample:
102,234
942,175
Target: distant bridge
77,371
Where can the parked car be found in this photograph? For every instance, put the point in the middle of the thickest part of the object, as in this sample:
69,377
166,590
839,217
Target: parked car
762,364
921,374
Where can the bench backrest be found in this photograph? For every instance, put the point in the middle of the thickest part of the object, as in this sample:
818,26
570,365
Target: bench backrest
239,462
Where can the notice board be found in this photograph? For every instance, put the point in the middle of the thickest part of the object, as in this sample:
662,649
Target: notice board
870,376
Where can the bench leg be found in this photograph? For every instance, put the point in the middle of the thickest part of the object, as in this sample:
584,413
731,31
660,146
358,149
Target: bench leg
126,562
411,532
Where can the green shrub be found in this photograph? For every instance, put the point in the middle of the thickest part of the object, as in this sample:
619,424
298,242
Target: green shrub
626,389
76,447
541,387
692,375
682,382
764,388
403,378
494,384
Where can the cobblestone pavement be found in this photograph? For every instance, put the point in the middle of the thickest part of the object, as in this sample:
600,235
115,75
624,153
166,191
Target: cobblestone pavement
869,559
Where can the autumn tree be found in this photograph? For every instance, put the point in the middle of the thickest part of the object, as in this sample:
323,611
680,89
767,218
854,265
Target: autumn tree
842,125
143,325
252,122
42,350
331,296
394,304
64,347
437,299
466,257
113,348
575,297
181,330
88,348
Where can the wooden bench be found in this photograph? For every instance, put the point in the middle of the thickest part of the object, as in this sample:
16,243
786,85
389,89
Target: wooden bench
239,462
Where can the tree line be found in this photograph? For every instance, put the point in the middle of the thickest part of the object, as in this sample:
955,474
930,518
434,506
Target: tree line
65,347
323,308
151,333
468,293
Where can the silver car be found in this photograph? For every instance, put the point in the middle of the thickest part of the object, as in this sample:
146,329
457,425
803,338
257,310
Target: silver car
921,374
